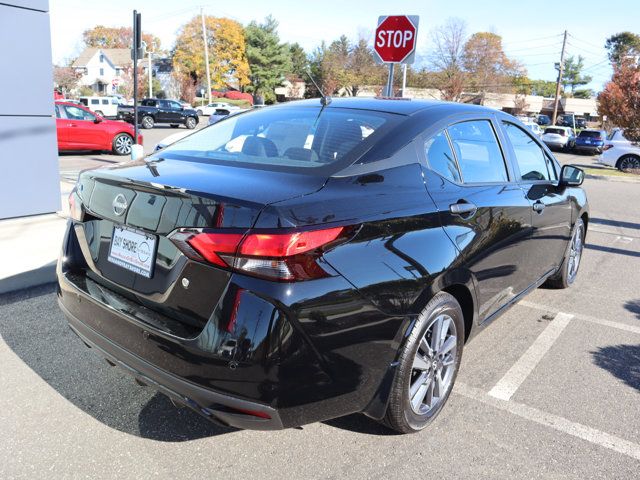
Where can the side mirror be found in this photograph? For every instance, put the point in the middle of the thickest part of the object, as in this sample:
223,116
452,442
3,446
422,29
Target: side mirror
98,119
571,176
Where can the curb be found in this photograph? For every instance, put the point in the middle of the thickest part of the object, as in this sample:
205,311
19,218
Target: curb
610,178
32,278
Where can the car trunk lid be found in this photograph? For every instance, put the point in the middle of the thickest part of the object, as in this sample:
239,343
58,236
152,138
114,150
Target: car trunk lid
139,202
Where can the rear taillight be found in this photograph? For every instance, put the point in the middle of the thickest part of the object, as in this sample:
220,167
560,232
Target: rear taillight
75,206
279,256
607,147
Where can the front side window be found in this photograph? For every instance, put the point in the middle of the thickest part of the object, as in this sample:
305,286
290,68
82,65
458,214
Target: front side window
95,101
440,157
175,105
532,161
75,113
478,152
300,138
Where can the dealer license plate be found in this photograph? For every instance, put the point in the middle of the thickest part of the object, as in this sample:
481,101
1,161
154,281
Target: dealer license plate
133,250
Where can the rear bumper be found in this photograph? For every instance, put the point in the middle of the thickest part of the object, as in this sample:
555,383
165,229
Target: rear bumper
588,148
208,403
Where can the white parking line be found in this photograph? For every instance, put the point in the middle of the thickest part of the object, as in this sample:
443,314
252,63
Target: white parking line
556,422
507,386
587,318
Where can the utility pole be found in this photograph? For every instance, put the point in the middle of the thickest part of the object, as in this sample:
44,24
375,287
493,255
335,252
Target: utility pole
206,54
560,72
150,71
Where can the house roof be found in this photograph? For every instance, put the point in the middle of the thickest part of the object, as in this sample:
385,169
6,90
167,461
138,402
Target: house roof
119,57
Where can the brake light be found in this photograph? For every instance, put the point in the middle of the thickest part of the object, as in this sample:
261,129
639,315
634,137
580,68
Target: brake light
75,209
607,147
279,256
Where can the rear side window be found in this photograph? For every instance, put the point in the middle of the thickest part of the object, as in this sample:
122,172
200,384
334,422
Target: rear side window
148,103
285,137
590,134
441,158
95,101
532,161
478,152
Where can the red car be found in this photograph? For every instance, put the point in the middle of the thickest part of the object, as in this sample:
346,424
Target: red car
81,129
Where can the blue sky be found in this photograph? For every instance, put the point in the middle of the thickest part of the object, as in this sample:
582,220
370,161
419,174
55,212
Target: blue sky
531,31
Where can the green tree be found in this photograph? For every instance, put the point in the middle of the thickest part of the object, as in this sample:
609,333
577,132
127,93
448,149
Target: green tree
621,45
584,93
544,88
299,60
269,60
573,76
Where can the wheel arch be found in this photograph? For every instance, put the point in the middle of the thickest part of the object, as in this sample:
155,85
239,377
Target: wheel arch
624,156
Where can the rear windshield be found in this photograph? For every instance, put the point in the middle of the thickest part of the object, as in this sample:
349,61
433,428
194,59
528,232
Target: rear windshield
559,131
590,134
283,138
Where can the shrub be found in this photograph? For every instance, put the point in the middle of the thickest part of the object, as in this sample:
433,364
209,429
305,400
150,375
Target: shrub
234,95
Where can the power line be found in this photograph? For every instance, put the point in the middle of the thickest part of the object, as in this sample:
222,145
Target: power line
600,47
533,39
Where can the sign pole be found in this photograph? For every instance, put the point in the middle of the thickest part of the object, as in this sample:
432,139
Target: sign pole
136,45
404,80
389,92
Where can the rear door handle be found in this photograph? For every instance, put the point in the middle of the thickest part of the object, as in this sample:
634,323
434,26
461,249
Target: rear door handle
463,208
538,206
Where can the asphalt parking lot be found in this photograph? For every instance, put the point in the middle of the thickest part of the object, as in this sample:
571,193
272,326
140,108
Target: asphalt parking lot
549,390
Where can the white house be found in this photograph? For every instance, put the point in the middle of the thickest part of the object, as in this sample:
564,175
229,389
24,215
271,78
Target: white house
102,68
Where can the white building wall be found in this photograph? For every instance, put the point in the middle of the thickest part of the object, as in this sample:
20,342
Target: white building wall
28,150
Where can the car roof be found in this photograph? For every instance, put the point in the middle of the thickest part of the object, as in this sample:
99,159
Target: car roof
402,106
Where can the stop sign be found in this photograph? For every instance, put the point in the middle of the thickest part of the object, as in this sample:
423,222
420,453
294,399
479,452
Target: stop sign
395,40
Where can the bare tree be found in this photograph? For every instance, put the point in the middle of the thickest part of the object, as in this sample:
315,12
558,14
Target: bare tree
447,59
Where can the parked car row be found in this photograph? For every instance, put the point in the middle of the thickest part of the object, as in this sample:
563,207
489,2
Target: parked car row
562,121
152,111
563,138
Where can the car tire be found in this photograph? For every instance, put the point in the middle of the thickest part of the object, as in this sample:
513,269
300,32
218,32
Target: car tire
122,144
628,162
428,363
147,122
199,112
190,123
566,275
175,125
99,112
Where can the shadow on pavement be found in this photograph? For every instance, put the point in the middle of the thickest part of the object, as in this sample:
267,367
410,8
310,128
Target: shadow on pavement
634,307
615,223
360,423
622,361
619,251
32,325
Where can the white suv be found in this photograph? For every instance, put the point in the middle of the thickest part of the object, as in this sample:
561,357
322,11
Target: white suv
559,137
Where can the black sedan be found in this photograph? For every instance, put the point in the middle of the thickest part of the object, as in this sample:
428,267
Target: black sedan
311,260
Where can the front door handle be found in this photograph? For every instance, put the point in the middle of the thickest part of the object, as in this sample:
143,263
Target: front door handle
463,208
538,206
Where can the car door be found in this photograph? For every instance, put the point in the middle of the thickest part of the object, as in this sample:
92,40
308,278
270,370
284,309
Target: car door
483,212
175,112
83,132
61,128
537,173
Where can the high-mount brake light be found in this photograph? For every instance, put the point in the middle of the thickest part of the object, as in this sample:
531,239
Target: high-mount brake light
279,256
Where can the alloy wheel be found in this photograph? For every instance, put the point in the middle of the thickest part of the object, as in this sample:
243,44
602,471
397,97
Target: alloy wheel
628,163
123,144
575,254
147,122
433,365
